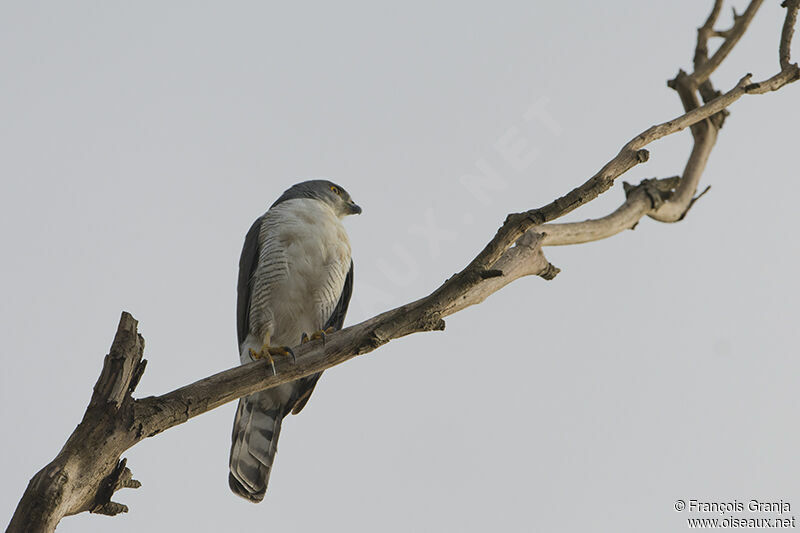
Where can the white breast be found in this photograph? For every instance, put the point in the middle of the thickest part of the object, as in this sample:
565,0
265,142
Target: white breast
303,262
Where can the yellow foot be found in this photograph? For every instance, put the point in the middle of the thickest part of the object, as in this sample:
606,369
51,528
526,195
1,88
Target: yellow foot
268,351
319,334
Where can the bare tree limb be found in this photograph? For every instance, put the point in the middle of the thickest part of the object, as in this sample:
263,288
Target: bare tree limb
671,205
732,36
785,50
89,468
706,31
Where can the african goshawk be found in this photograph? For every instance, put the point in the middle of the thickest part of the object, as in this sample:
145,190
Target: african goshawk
295,282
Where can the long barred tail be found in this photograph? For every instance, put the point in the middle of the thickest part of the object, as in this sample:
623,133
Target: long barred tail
255,439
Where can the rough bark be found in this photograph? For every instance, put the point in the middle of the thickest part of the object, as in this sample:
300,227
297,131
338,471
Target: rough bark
89,468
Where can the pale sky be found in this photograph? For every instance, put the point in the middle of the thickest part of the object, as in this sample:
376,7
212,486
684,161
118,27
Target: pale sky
138,142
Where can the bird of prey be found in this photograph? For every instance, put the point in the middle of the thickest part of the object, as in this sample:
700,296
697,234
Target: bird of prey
295,282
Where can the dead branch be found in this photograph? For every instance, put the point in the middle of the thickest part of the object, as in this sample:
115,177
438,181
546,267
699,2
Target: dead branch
669,200
89,468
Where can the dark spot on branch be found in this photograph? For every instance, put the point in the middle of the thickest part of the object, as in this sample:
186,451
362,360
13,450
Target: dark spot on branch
110,509
120,477
628,188
373,341
549,272
137,375
536,217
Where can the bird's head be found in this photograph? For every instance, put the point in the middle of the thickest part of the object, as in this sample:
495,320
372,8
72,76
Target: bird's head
325,191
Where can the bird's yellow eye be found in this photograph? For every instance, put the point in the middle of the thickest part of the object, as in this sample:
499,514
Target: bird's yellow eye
336,190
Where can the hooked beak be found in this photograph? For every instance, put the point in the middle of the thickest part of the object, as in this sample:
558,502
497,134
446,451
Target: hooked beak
354,209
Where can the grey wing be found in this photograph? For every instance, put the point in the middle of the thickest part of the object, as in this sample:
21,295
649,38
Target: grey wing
336,321
247,265
305,386
249,469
